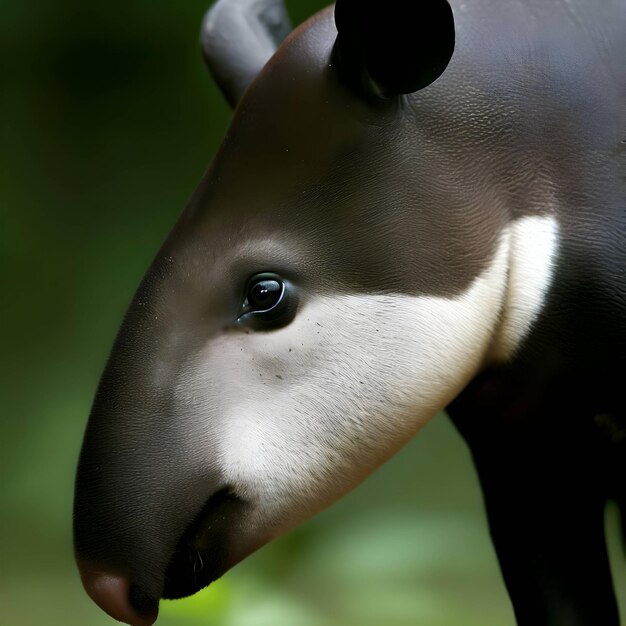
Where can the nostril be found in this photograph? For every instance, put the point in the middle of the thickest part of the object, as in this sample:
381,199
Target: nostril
117,597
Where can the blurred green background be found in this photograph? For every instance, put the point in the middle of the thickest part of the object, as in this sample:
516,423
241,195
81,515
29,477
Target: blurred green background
107,120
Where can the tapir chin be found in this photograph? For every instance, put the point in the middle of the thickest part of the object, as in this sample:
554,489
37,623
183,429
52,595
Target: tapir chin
418,206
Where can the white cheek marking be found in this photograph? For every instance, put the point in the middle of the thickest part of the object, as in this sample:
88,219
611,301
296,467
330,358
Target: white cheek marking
533,247
297,417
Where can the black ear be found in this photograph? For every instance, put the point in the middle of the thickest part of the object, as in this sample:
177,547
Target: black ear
238,37
391,47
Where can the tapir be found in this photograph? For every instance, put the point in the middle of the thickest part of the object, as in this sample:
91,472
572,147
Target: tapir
418,206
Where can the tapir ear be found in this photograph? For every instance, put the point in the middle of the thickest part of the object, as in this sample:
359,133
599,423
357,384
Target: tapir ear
238,37
391,47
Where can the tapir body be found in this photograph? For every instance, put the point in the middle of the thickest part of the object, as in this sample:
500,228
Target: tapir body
426,211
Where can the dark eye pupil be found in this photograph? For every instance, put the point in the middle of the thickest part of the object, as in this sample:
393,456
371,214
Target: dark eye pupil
264,294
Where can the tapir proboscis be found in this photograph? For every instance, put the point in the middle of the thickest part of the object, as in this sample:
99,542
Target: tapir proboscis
417,206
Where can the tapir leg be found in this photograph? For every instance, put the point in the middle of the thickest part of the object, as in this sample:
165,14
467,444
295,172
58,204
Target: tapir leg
544,484
547,526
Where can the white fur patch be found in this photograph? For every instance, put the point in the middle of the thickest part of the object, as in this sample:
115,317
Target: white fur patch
533,246
295,418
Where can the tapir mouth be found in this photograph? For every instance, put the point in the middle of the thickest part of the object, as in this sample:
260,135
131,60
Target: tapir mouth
203,552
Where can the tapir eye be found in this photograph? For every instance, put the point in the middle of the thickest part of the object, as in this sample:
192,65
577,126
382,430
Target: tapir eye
265,293
270,302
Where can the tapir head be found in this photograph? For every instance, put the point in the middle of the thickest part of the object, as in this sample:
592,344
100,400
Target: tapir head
327,290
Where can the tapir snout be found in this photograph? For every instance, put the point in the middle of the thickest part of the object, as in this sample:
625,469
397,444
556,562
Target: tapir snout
155,513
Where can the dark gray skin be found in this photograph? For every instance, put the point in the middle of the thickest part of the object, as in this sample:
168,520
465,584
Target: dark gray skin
346,177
